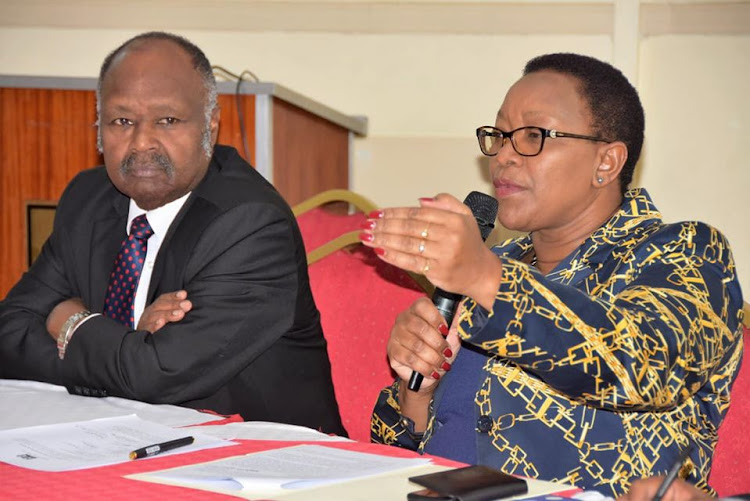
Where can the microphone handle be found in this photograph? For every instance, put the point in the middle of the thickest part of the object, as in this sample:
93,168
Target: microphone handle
484,209
446,303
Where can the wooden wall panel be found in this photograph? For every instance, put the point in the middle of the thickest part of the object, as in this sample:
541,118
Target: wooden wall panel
229,127
47,137
310,154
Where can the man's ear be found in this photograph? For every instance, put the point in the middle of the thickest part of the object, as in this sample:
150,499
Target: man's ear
612,158
215,117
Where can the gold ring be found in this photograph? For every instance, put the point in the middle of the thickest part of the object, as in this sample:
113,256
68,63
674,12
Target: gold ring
421,247
424,232
426,268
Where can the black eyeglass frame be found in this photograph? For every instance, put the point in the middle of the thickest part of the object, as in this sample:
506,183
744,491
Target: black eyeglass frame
495,132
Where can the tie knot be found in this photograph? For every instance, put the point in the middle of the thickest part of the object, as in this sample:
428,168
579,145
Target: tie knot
140,228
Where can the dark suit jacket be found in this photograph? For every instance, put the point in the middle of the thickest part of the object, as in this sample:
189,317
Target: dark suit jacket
252,344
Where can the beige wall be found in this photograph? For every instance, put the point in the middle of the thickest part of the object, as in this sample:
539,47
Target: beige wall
695,162
427,74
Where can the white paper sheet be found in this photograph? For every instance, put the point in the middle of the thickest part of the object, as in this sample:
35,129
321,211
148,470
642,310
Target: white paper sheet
263,430
86,444
30,403
295,467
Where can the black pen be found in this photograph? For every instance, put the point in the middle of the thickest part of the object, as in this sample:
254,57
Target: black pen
155,449
672,473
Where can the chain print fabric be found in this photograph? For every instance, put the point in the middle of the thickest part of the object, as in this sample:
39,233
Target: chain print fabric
600,372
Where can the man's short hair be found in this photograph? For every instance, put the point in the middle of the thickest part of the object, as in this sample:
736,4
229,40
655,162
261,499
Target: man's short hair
613,102
198,58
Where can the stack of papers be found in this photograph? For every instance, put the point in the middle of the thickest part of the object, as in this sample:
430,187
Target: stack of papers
297,467
315,473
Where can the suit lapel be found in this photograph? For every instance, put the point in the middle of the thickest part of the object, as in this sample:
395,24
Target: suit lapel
107,235
180,241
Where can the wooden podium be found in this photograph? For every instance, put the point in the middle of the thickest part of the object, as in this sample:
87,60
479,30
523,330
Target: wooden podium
49,134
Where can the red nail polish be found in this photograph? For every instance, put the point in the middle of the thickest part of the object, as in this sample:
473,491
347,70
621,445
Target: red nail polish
367,224
366,237
448,353
379,251
446,366
376,214
443,329
435,375
426,199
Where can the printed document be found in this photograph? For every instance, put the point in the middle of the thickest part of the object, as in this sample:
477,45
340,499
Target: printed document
86,444
296,467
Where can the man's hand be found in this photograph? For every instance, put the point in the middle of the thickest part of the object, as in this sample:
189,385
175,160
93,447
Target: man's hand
169,307
61,313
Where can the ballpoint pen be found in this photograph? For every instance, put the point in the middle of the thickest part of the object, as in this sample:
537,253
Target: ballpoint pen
155,449
672,473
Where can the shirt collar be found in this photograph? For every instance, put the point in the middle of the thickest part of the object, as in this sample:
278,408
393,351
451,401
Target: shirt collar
159,218
637,213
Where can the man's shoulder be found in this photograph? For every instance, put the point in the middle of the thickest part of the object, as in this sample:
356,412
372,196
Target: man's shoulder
89,187
231,181
94,176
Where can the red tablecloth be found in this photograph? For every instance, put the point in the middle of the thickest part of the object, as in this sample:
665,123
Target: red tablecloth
108,482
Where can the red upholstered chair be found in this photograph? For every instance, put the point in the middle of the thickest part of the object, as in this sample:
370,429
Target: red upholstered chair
730,471
359,297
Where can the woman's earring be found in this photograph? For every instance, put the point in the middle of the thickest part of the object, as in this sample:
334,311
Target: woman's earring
599,180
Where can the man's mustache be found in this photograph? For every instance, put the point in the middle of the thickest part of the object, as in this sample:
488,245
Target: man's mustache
149,160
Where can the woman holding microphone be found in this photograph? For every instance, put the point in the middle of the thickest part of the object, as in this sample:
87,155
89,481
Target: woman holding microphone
594,349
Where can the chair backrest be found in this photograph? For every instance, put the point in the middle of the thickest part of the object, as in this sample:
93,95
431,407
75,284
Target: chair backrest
730,470
359,297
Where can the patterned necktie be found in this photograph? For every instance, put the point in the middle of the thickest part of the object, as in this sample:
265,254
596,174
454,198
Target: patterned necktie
118,304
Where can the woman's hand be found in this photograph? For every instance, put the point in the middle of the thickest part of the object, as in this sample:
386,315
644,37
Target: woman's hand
439,239
644,490
420,341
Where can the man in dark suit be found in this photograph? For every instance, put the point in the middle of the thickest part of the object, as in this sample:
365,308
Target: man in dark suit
216,312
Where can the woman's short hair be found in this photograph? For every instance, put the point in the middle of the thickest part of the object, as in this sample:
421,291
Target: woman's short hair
613,102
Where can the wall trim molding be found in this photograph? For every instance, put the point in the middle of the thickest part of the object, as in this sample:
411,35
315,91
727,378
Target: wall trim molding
488,17
369,17
699,18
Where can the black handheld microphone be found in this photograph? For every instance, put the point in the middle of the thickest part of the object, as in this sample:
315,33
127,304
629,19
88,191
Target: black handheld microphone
484,209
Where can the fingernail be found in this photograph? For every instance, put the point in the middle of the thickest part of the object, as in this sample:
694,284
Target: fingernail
443,329
426,199
447,352
446,366
367,224
435,375
176,312
379,251
366,237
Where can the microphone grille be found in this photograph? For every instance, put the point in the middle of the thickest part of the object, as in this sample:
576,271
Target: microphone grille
484,208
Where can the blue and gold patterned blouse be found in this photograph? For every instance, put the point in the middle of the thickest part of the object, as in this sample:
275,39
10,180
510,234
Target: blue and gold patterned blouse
600,372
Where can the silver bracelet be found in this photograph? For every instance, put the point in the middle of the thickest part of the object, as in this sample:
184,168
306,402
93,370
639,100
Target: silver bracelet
67,330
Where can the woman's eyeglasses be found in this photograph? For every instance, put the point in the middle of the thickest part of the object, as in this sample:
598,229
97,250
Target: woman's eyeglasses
527,141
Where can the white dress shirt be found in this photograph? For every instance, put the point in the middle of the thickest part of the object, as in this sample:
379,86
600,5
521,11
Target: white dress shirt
160,219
